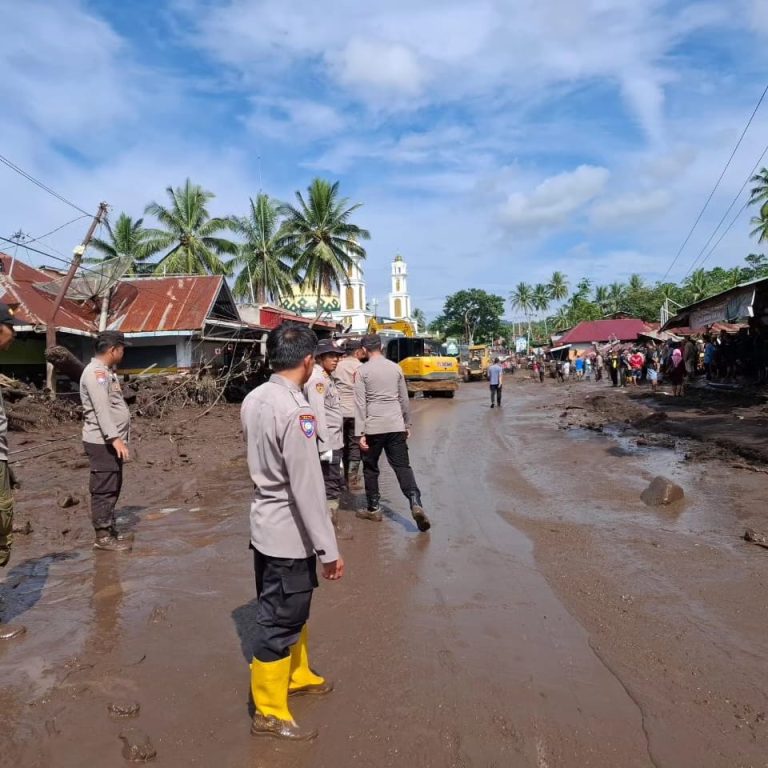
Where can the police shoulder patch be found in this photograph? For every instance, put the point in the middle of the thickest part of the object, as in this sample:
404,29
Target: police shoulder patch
307,424
320,387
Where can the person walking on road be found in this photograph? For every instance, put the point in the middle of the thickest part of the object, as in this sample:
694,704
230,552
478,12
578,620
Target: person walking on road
290,529
383,423
323,398
344,376
495,380
106,429
7,480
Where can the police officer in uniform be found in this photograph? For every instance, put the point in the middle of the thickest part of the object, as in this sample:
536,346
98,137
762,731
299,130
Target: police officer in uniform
323,398
7,335
290,529
344,376
383,423
106,428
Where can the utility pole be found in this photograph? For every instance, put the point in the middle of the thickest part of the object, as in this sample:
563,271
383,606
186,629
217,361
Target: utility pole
77,258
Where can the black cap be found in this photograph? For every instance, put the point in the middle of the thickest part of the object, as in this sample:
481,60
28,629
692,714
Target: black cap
6,315
328,347
113,338
352,344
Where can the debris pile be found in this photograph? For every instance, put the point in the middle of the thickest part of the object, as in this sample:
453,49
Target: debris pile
29,408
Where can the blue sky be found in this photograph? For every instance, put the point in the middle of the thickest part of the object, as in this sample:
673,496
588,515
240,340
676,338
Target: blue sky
490,142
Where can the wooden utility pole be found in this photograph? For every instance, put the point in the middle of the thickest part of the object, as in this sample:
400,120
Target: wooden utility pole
50,332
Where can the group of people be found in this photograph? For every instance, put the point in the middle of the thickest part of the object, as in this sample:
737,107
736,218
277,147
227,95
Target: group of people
325,412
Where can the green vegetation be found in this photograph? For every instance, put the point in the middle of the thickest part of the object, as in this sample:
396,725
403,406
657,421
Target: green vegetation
472,315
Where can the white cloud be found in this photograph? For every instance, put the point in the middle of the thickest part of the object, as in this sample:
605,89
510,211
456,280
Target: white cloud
619,211
555,200
287,119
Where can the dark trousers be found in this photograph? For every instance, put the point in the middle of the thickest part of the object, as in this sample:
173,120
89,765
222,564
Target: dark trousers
105,485
334,483
351,450
615,376
496,393
395,445
284,588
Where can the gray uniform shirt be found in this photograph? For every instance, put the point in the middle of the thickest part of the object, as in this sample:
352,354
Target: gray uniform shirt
3,431
289,516
381,398
344,376
323,398
105,412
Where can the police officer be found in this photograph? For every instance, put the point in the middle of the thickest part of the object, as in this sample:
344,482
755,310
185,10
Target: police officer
383,423
106,427
344,376
7,335
290,529
323,398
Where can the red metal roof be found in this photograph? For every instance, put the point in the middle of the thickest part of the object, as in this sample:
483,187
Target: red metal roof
148,304
624,329
19,288
271,317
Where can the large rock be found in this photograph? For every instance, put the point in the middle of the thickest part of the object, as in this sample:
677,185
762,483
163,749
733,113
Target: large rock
661,492
137,747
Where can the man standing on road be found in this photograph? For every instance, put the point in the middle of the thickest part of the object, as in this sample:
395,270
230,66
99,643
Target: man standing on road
495,377
323,398
7,335
383,422
344,376
106,426
290,529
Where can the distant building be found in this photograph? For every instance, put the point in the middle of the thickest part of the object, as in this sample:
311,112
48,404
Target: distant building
590,332
399,299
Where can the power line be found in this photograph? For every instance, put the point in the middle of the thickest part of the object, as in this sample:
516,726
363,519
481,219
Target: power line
725,215
727,230
37,182
717,184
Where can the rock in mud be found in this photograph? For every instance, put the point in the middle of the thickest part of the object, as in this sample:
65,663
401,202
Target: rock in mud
67,500
754,537
661,492
124,708
137,747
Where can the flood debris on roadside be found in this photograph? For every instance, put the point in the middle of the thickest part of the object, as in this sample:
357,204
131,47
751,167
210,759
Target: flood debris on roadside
137,746
754,537
122,709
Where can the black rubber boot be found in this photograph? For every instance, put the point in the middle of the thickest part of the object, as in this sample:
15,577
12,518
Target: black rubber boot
422,521
374,510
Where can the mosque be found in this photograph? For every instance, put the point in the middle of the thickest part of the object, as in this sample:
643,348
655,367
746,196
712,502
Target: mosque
351,307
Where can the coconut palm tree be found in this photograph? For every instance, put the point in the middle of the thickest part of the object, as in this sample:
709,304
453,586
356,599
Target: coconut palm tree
190,234
319,233
563,317
602,298
635,284
540,298
419,318
265,265
522,300
558,286
697,284
616,295
759,193
127,239
760,224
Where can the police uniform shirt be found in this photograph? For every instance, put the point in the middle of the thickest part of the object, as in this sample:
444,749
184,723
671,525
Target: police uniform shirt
344,376
105,412
289,517
381,398
3,431
323,398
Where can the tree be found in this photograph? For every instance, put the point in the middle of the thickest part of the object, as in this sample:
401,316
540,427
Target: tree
602,298
616,295
540,299
265,273
187,229
471,314
521,299
127,239
757,266
419,318
558,286
318,232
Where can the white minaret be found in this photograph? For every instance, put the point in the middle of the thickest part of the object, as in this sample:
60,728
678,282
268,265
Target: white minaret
353,291
399,300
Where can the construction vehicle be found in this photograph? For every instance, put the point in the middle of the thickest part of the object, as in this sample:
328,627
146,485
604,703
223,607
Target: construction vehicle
426,367
475,361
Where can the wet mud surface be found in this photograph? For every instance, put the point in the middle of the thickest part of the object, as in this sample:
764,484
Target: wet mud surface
550,618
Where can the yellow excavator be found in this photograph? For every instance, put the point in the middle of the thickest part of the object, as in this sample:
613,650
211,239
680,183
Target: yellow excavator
425,367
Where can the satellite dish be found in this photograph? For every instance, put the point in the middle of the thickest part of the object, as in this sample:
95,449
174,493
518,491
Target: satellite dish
94,281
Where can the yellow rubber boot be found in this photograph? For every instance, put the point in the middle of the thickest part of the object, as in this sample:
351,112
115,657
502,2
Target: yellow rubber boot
303,679
269,687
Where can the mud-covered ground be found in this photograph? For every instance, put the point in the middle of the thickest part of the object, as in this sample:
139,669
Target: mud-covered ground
549,618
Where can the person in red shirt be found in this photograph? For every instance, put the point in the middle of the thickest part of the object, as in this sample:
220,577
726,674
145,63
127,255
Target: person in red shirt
636,363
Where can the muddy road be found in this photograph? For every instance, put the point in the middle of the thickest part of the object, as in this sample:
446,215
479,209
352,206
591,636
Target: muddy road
549,619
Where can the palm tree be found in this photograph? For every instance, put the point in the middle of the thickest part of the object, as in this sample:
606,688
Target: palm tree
419,318
127,239
602,298
635,284
698,285
540,298
563,317
190,233
318,232
558,286
760,224
759,193
616,295
522,299
265,273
